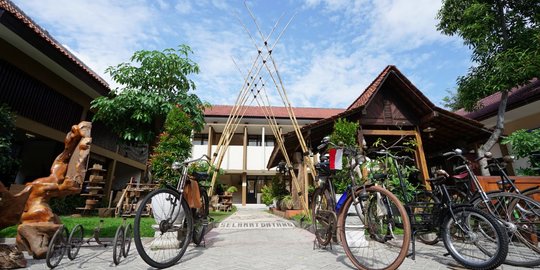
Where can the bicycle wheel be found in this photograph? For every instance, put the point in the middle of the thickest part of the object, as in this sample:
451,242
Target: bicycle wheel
75,241
456,195
323,215
532,193
128,235
428,238
200,218
162,241
360,233
57,247
118,245
521,217
474,238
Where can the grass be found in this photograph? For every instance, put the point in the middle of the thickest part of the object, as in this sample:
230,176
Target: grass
110,225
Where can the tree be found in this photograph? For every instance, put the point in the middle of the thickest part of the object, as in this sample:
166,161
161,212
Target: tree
152,85
174,145
8,164
504,36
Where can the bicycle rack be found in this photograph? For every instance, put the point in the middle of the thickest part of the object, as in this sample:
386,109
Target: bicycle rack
60,243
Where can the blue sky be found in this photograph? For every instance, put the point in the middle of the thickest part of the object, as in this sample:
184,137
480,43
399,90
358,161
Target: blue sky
327,56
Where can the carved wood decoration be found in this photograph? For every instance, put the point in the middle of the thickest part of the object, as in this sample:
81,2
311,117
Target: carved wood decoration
38,222
11,206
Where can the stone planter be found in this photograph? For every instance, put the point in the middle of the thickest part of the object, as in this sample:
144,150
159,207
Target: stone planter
169,240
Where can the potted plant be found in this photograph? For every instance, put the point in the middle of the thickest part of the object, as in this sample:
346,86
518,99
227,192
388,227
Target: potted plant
230,190
287,202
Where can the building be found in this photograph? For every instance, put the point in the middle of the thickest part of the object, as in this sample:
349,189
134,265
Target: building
391,107
246,158
50,90
522,112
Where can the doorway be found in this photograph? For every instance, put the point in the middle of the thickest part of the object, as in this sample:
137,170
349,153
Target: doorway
251,196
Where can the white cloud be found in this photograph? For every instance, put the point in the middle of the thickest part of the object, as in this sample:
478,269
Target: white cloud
331,51
183,6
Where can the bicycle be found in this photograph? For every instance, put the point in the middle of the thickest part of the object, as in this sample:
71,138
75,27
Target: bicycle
519,214
175,223
463,191
370,241
472,237
506,184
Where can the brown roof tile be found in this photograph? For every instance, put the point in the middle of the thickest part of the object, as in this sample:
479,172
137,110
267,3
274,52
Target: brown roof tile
365,97
11,8
278,112
517,97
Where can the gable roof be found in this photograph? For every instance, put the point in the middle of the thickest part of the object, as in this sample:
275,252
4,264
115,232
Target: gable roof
376,84
449,126
279,112
7,7
517,97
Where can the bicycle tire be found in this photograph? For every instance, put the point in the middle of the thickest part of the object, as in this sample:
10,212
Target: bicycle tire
457,196
128,236
523,247
373,254
172,225
428,238
75,241
480,226
200,218
322,213
57,247
533,193
118,245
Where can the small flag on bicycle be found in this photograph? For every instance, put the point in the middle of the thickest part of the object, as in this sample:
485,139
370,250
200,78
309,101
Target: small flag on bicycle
336,157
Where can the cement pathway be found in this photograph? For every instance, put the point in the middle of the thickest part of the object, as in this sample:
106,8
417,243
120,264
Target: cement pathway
253,239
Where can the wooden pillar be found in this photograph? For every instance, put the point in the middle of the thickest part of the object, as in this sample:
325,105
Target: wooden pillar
244,167
111,171
306,181
421,157
244,188
300,165
210,141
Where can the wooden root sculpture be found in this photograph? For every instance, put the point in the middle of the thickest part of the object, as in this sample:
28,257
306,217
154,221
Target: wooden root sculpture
38,222
11,207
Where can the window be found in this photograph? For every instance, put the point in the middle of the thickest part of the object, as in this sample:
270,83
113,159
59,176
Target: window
254,140
200,139
269,140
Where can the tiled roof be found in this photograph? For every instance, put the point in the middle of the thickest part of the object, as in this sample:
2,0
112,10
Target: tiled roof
517,97
278,112
364,98
11,8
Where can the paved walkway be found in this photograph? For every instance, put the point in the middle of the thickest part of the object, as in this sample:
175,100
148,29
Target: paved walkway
253,239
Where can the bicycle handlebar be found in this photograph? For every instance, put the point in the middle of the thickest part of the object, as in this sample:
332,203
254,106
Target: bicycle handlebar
386,153
176,165
203,157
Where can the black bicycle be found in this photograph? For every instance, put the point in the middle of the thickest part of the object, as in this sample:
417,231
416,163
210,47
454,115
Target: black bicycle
163,240
519,214
369,221
472,237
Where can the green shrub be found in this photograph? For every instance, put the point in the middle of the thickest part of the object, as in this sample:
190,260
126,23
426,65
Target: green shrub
267,197
524,144
344,133
174,145
8,164
279,189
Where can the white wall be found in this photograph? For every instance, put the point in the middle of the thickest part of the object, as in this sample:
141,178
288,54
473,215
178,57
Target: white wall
257,156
